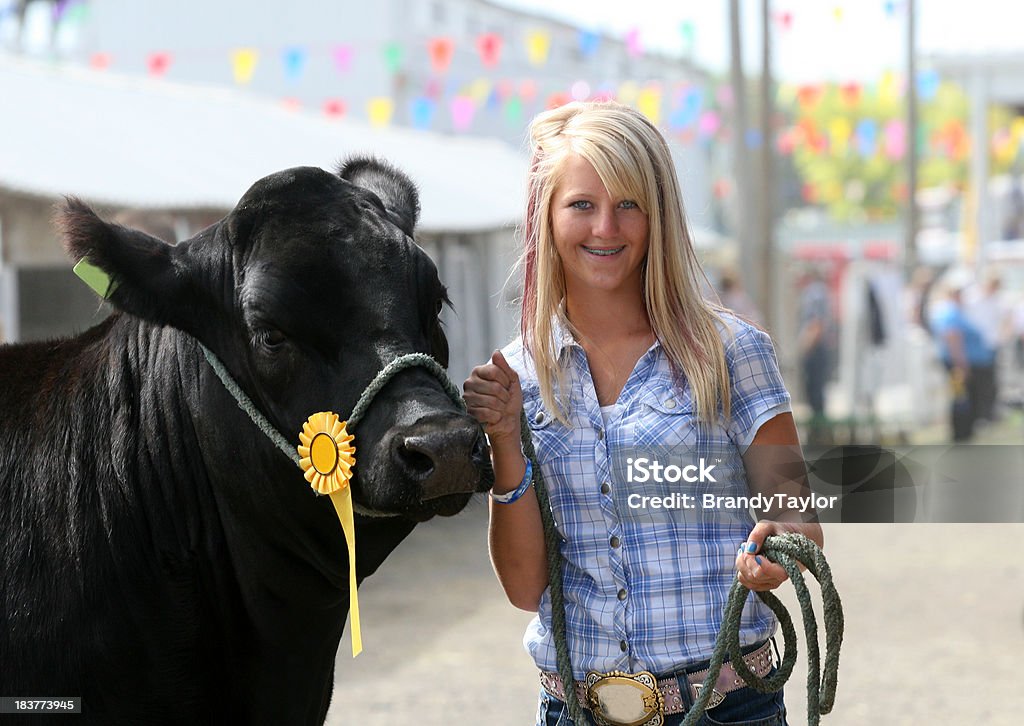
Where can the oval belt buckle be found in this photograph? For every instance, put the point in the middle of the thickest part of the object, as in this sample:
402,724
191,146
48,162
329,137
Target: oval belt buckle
625,699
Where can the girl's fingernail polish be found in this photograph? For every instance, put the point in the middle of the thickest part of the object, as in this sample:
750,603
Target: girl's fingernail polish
751,547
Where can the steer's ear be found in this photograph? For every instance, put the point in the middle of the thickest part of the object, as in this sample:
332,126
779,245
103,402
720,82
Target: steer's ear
395,189
147,277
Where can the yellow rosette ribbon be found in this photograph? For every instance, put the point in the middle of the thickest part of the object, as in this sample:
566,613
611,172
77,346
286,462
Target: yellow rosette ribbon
326,457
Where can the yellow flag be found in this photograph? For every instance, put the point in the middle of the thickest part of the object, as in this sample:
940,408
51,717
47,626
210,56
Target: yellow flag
243,64
839,130
649,104
887,87
479,90
538,43
1017,128
628,92
380,110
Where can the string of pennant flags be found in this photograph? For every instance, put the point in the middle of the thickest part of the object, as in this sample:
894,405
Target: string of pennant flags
694,111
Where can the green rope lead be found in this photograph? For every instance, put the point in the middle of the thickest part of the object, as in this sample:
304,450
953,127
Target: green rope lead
389,371
787,550
554,543
380,380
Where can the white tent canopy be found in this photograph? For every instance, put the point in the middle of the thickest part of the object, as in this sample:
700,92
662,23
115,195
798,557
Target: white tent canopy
138,142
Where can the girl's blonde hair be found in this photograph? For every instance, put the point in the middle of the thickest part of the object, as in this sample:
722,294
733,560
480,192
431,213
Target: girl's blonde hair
634,162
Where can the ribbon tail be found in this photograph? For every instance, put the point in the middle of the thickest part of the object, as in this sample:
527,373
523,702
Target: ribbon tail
342,501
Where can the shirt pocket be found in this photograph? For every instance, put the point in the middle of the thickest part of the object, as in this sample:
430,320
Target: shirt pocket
552,439
666,420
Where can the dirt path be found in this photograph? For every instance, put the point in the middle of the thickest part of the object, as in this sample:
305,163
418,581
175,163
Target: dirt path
934,631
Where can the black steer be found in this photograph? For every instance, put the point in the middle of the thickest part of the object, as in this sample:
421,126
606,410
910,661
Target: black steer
159,557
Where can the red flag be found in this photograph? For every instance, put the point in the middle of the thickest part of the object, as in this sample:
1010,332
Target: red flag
441,50
158,63
489,47
334,108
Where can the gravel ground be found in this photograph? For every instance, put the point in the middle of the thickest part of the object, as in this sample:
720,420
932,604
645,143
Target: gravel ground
933,629
934,626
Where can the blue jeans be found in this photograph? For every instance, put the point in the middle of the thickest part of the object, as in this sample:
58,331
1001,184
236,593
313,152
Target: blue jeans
742,707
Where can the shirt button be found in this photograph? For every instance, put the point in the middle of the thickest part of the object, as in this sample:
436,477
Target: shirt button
539,418
622,594
670,403
605,488
614,541
622,646
600,434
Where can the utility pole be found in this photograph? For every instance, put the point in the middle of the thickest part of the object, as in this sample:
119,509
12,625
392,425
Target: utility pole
911,221
766,192
744,199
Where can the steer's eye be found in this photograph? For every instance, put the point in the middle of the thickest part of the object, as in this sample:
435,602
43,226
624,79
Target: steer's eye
270,338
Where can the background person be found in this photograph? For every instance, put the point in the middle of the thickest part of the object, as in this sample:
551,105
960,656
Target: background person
816,345
964,352
617,351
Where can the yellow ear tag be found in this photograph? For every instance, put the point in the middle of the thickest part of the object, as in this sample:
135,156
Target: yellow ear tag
326,457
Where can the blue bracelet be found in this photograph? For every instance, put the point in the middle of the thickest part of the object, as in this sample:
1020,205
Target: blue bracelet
509,497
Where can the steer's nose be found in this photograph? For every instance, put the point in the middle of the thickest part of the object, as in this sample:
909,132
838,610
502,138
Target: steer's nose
444,454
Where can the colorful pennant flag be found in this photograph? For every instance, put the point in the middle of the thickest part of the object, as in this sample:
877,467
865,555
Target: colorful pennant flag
688,31
895,139
462,110
633,45
423,112
342,56
528,90
479,90
557,99
648,103
157,63
850,93
538,43
489,47
441,50
839,131
866,137
393,57
100,61
589,43
243,64
334,108
380,109
514,111
927,84
708,124
294,61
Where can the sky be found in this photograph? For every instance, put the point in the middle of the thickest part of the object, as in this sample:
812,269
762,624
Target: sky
825,39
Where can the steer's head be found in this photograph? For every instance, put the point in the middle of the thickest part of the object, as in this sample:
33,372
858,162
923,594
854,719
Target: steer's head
305,291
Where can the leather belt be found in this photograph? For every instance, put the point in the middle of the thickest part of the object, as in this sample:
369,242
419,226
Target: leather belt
759,661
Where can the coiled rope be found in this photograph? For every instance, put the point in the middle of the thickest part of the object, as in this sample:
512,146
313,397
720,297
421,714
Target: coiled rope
788,550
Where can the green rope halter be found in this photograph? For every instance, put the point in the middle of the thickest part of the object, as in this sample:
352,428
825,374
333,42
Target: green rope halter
389,371
786,550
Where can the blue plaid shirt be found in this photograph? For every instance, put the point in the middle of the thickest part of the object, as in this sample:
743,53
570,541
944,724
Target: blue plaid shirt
645,588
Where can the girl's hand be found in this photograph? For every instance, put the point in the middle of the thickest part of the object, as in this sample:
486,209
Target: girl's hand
495,399
755,571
